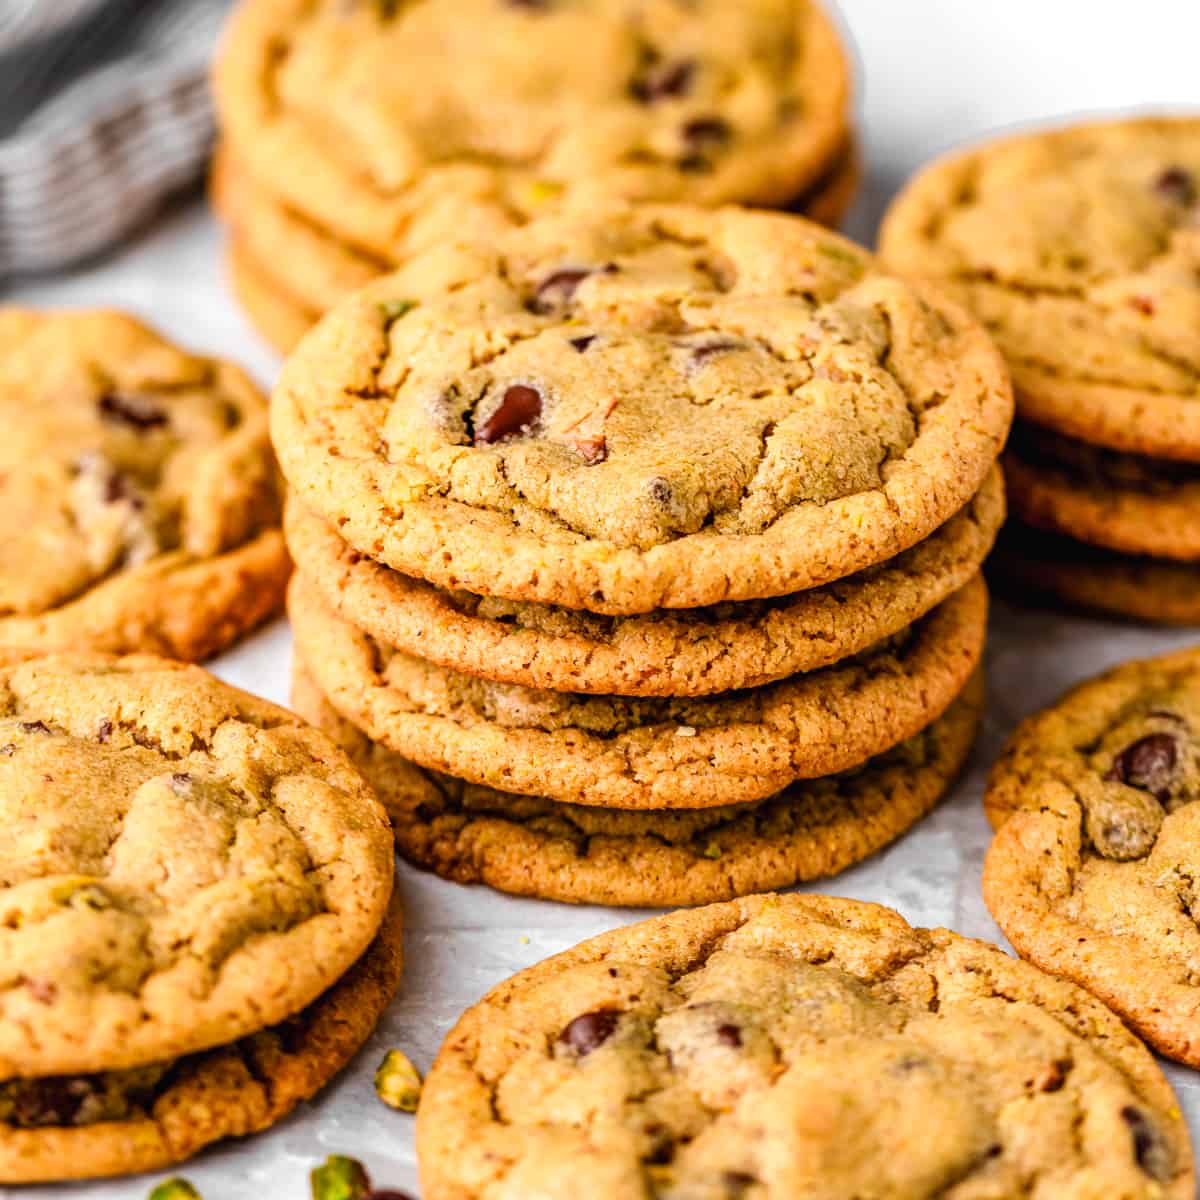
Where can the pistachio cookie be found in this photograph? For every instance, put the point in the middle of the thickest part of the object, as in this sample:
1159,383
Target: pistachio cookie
531,846
1094,580
644,752
309,270
795,1046
138,491
1078,249
654,408
345,111
1090,873
683,652
277,318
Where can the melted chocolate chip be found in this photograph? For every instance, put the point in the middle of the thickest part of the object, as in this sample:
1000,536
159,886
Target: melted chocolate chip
134,411
706,350
34,727
557,288
8,750
104,731
1178,185
660,490
590,1031
118,489
706,131
729,1035
181,783
582,343
391,1193
517,413
661,80
1148,764
1148,1149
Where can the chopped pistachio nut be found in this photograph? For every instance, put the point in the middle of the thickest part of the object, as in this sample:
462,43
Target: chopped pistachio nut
398,1082
393,310
842,254
542,191
174,1189
340,1178
80,893
712,850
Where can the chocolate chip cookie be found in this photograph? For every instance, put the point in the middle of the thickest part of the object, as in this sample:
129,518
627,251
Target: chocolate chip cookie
1057,568
138,491
652,408
692,652
347,113
532,846
787,1046
184,867
1078,249
277,317
644,752
1090,873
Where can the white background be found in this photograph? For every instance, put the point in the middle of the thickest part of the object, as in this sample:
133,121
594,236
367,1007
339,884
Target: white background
932,74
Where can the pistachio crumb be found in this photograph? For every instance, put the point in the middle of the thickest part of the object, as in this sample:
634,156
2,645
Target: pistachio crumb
398,1082
340,1178
393,310
174,1189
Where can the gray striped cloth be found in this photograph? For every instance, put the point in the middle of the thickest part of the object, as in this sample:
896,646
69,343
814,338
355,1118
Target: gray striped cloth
104,111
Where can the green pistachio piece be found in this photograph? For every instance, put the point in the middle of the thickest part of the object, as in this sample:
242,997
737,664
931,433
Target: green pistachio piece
393,310
340,1178
398,1082
174,1189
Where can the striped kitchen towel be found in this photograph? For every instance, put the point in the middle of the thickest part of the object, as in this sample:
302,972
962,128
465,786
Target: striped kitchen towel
104,111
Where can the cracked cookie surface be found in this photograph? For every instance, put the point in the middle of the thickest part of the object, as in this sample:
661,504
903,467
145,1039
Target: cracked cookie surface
550,104
528,845
1078,248
87,1127
1091,873
644,752
1125,502
183,864
692,652
782,1047
138,491
660,407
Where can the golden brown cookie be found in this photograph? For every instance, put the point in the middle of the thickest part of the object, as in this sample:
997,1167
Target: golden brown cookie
89,1126
682,652
346,112
787,1046
1078,249
1098,837
641,752
138,491
277,318
531,846
652,408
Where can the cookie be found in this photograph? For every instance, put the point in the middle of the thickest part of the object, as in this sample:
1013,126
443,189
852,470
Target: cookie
692,652
346,113
277,318
786,1046
1077,248
183,864
138,491
1027,561
1130,504
1090,871
318,271
640,752
86,1127
531,846
655,408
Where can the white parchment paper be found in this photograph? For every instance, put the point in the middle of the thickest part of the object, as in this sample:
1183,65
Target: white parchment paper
933,73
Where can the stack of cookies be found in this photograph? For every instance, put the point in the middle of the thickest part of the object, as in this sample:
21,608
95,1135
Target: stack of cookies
638,556
1079,249
357,132
197,926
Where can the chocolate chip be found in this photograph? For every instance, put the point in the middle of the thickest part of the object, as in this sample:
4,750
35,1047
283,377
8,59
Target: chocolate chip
706,350
34,727
1178,185
557,289
104,732
582,343
738,1181
1148,1149
1052,1077
660,491
660,80
1148,764
8,750
536,5
390,1193
117,488
590,1031
729,1035
706,131
181,783
517,413
135,411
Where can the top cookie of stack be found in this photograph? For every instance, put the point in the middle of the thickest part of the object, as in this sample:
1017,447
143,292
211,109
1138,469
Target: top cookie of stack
575,514
1079,248
358,132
